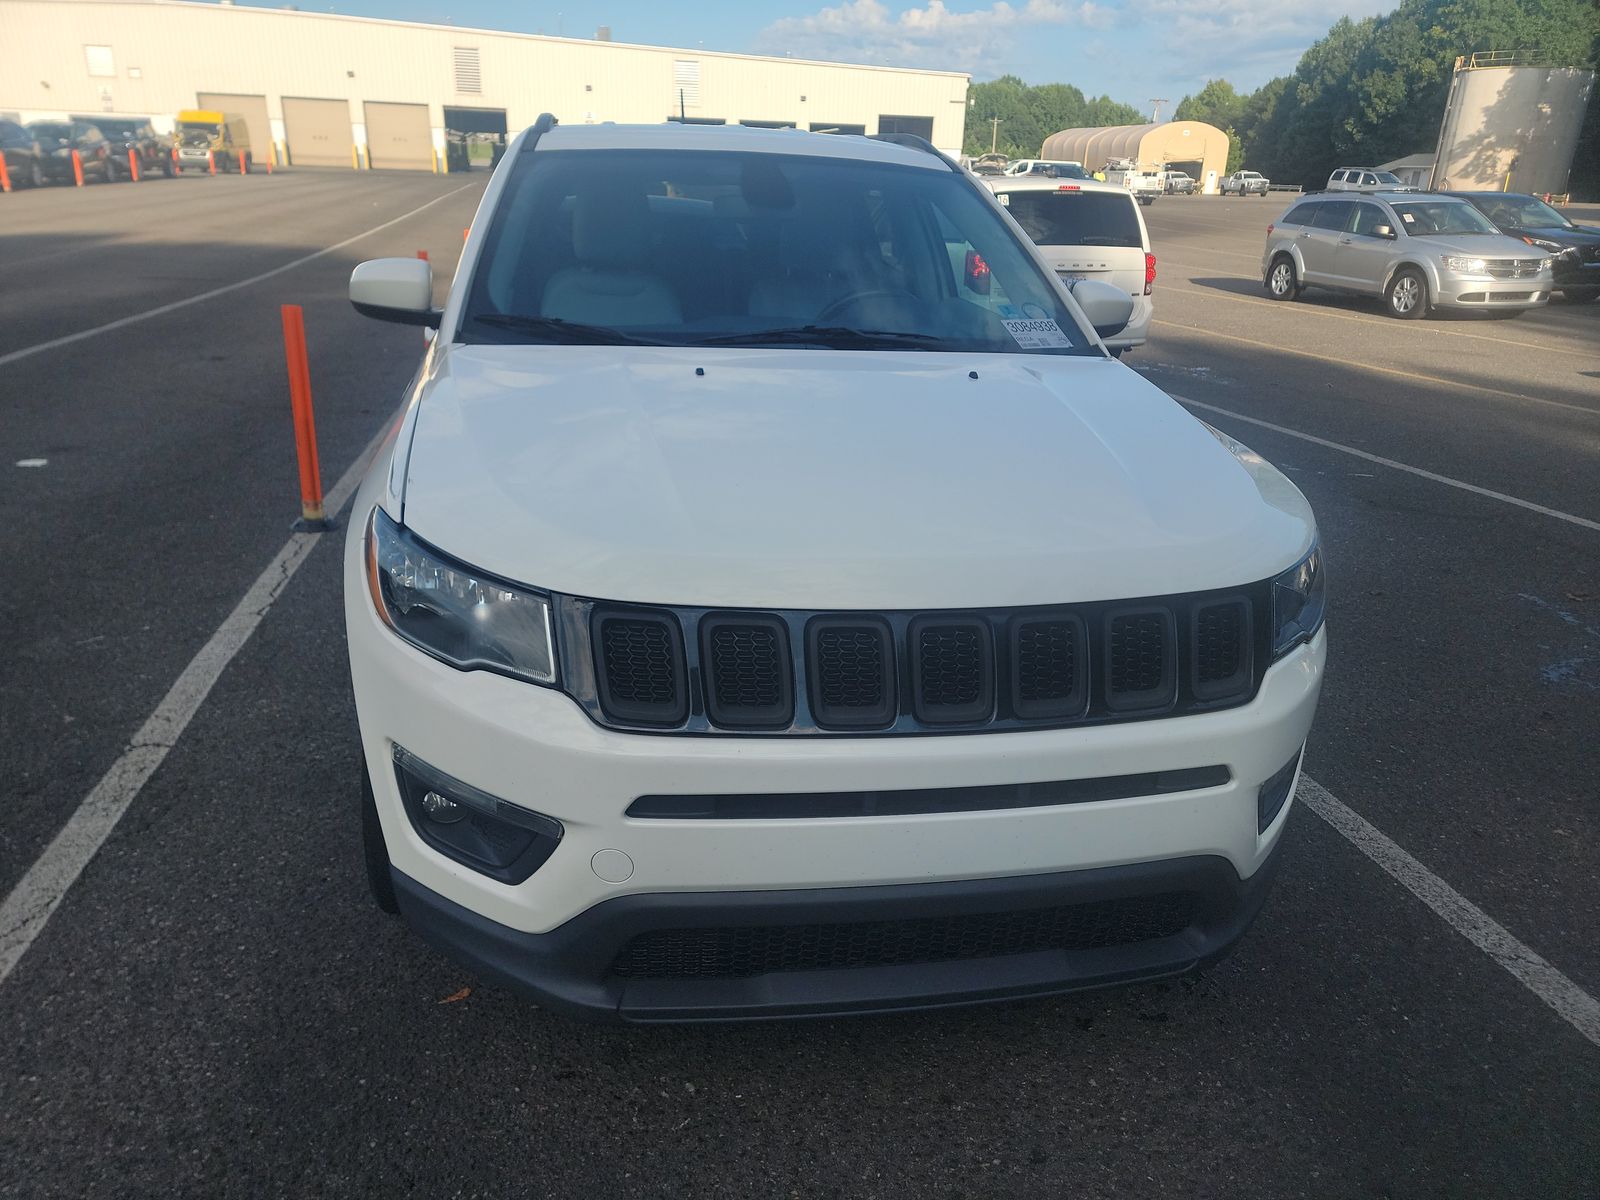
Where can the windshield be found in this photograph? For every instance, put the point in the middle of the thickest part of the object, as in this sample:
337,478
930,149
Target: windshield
46,131
1523,211
191,134
718,247
1076,218
1424,218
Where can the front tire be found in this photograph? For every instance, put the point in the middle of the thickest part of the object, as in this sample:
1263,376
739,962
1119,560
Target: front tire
1576,295
379,881
1407,295
1283,283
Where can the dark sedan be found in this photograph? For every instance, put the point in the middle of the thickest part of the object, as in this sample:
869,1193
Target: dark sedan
1576,247
131,135
21,151
58,139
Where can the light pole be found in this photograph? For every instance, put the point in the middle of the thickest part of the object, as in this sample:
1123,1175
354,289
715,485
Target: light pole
1155,111
994,133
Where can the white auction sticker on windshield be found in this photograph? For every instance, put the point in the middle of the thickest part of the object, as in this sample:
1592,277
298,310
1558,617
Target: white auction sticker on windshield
1036,335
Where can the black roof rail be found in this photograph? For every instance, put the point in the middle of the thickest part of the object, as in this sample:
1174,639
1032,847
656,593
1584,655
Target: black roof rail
912,142
545,123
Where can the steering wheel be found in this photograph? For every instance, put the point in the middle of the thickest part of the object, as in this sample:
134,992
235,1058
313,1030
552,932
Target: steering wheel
844,302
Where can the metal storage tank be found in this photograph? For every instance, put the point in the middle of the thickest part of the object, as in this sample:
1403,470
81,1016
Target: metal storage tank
1510,125
1191,146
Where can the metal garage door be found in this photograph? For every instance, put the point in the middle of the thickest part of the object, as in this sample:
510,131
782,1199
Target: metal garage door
317,131
254,111
398,137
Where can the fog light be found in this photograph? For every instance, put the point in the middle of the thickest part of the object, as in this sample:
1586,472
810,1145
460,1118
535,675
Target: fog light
442,809
492,836
1275,792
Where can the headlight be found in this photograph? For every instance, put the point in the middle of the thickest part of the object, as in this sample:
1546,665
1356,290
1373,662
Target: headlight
1464,266
1299,600
1553,247
467,618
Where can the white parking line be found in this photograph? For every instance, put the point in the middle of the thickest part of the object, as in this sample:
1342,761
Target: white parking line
1575,1006
162,310
1556,513
39,892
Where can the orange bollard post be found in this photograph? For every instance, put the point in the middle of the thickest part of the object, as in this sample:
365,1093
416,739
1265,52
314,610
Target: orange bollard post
313,519
464,233
244,164
211,161
133,165
77,168
5,175
177,163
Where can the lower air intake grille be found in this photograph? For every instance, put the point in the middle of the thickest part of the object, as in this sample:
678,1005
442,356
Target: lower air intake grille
641,673
741,952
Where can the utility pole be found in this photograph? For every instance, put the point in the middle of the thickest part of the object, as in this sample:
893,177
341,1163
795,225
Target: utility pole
994,133
1155,110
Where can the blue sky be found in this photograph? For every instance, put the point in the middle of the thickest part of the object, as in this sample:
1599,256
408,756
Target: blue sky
1132,49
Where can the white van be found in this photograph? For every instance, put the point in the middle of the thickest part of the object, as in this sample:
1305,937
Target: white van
1089,230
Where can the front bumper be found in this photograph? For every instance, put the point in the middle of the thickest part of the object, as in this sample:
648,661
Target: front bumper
570,968
1455,291
536,748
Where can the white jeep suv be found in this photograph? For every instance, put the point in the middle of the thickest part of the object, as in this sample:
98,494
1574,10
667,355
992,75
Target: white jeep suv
775,600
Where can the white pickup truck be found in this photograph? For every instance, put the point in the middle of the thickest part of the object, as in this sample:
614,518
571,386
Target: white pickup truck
1145,185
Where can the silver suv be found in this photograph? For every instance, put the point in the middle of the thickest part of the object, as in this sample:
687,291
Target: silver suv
1416,251
1367,179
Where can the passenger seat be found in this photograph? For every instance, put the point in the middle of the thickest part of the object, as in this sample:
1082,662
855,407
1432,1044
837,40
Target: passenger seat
611,242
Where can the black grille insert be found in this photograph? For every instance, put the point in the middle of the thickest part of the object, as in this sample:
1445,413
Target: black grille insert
1140,670
746,663
741,952
640,669
1221,649
1050,666
952,669
850,662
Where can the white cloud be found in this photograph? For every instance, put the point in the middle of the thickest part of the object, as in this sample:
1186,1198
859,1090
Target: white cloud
1244,41
931,36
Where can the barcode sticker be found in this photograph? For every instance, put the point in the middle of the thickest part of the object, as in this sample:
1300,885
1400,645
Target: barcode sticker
1036,335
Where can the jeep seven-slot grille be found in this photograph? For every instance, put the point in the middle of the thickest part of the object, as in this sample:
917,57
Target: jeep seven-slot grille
741,952
712,671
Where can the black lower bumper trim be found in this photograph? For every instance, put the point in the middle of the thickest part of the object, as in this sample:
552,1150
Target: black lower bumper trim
570,969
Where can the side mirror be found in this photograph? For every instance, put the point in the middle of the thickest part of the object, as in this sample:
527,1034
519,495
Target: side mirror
395,289
1383,231
1108,308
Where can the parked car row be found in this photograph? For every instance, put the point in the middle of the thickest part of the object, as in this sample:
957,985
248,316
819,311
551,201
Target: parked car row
109,147
1494,252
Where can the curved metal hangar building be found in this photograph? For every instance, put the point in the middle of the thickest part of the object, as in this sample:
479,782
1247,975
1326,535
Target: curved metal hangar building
329,90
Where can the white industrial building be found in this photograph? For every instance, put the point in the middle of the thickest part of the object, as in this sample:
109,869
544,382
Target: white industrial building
332,90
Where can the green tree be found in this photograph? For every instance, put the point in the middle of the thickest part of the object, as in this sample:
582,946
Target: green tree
1028,114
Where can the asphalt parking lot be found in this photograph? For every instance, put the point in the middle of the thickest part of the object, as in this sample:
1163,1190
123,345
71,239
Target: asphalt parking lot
216,1008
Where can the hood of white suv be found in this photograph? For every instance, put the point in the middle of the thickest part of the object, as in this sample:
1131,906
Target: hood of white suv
834,479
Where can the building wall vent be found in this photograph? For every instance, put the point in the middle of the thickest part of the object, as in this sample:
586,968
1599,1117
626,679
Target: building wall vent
469,73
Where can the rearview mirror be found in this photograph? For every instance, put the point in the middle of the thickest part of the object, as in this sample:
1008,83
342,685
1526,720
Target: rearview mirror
1108,308
395,289
1383,231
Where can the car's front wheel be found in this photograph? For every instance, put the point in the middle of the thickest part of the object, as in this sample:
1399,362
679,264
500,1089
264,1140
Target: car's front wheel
376,852
1577,295
1282,283
1407,295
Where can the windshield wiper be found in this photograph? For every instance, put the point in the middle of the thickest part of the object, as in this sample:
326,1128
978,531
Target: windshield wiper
566,332
837,337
